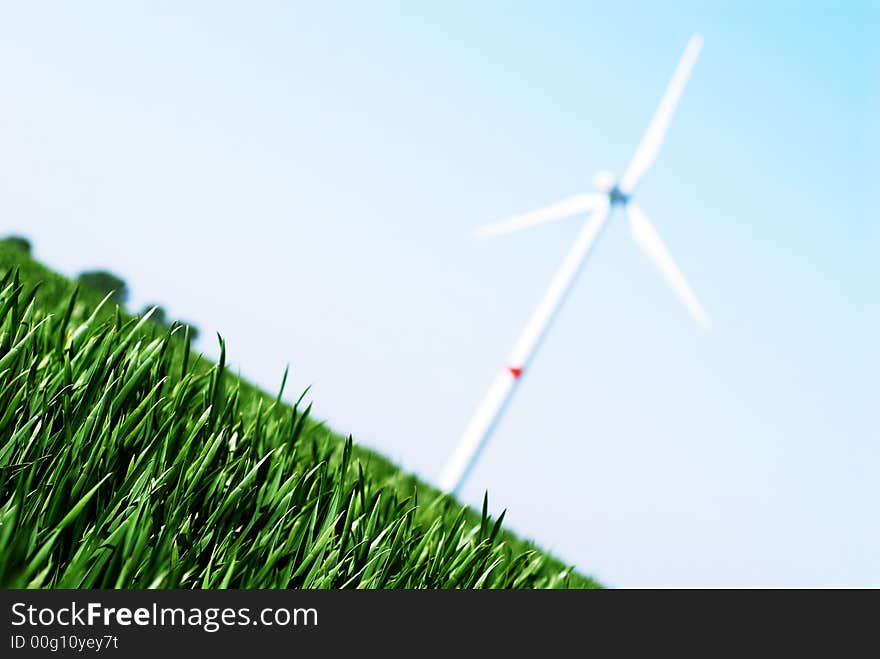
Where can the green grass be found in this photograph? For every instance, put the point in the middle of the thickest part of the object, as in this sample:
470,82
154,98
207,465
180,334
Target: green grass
127,461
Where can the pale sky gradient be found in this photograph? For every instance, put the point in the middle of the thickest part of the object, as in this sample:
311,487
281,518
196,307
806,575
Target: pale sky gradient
304,178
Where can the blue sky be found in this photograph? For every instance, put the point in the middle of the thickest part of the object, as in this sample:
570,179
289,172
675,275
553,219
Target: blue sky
305,178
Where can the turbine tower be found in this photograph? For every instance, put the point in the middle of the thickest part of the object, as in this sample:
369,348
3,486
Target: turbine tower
611,194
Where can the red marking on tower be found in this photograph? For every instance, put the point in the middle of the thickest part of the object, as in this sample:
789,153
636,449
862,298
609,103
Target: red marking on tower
515,371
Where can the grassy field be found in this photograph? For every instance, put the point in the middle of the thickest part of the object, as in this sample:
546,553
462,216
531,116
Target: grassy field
128,461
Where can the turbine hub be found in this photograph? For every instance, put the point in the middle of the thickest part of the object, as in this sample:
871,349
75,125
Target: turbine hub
616,197
606,183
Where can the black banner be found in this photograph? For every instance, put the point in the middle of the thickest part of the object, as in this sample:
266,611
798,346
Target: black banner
123,623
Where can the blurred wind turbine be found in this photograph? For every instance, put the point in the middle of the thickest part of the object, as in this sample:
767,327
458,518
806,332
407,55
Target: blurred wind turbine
612,193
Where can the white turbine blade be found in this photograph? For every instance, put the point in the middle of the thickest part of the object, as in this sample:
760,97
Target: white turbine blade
648,240
562,209
646,153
